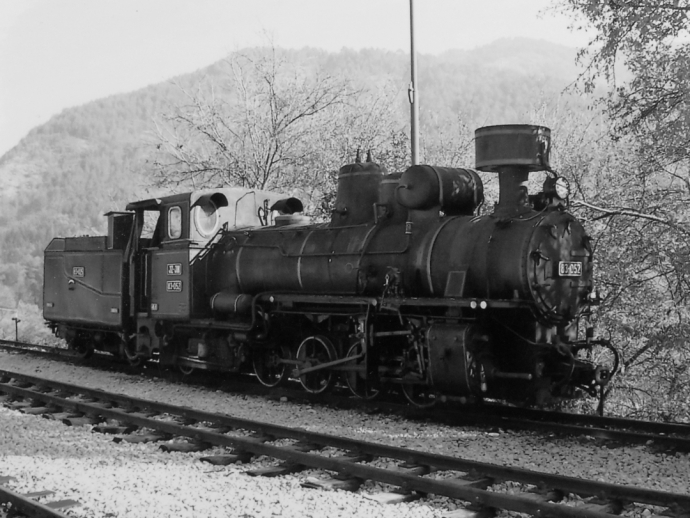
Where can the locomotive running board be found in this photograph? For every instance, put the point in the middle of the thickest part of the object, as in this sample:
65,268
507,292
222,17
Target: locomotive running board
394,302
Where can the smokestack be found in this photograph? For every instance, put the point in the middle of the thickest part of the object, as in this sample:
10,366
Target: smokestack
513,151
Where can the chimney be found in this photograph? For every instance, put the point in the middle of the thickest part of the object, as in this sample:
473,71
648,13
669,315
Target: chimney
513,151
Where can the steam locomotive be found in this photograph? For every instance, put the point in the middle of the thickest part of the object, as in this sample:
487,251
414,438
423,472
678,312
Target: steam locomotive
406,287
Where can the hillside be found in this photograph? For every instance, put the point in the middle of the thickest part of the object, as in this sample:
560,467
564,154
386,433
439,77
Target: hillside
64,175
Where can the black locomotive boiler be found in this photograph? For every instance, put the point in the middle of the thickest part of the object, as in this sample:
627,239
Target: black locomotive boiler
406,287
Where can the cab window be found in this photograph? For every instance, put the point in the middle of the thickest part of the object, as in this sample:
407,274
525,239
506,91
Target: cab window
174,222
150,223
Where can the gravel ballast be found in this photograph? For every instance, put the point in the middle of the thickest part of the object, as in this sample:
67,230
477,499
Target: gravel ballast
117,480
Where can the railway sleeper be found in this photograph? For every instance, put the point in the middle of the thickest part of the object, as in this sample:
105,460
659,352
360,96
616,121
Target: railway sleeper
143,438
609,506
216,429
60,416
62,504
115,429
82,421
37,410
284,468
145,415
99,404
20,384
355,457
305,446
412,468
341,481
19,405
473,480
261,437
243,457
186,447
397,496
471,511
547,495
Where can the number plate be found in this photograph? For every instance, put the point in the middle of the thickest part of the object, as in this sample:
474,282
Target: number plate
569,269
174,286
78,271
175,269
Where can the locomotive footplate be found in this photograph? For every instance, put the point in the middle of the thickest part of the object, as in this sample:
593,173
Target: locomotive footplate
395,302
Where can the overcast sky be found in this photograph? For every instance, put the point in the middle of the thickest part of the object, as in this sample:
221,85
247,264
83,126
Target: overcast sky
60,53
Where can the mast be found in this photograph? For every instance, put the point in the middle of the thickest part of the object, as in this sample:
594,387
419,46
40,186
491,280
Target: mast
412,93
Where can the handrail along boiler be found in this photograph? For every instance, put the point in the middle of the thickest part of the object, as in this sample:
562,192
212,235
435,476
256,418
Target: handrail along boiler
405,287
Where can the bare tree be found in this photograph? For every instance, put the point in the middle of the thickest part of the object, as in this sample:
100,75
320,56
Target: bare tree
273,124
252,129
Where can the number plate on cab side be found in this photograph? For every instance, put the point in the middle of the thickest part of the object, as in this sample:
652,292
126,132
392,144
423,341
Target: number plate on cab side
174,286
569,269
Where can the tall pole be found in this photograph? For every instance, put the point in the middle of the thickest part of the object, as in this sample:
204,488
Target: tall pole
412,93
16,329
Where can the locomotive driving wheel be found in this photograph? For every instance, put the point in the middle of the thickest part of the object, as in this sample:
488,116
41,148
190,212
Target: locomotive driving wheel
315,350
268,365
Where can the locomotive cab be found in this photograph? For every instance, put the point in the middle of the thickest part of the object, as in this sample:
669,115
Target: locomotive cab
172,284
108,292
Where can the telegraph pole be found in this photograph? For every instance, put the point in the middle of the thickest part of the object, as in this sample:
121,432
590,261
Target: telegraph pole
16,328
412,93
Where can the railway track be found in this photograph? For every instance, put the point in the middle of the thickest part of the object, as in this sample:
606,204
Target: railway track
350,461
28,504
12,345
614,430
665,436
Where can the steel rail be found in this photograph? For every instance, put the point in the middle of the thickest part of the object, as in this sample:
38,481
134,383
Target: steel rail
589,420
451,488
29,507
595,428
27,346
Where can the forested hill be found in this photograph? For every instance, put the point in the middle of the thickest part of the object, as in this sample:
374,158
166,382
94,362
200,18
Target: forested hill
65,174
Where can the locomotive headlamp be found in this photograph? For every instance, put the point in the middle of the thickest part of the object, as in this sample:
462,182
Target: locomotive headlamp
558,187
483,304
473,304
562,188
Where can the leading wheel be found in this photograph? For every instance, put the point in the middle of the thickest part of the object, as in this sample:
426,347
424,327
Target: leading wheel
268,365
356,382
313,351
